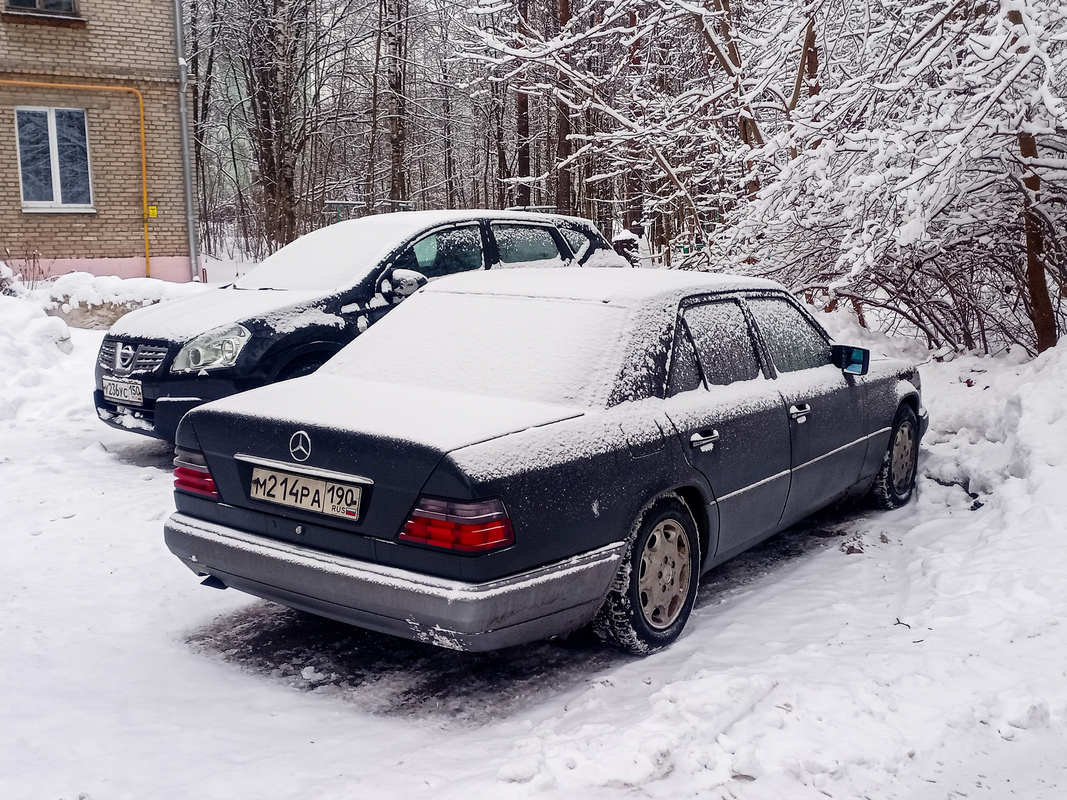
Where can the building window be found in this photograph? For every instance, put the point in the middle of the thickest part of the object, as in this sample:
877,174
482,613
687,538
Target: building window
53,159
47,6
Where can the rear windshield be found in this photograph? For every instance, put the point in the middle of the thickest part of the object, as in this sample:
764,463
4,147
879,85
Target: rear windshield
537,349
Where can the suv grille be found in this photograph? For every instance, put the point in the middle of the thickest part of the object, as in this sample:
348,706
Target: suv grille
147,357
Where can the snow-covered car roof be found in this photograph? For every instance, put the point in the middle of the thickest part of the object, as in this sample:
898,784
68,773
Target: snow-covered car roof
340,250
626,287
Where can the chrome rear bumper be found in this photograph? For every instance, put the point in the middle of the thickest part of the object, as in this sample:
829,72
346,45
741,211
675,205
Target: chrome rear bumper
538,604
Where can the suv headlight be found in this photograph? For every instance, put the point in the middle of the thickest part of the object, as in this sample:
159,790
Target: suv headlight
212,350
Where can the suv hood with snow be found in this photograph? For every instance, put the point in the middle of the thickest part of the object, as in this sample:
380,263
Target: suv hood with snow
181,320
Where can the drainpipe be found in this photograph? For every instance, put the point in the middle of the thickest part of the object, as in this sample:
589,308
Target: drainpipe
183,121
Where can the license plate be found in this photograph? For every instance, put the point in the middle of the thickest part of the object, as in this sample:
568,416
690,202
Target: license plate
311,494
121,391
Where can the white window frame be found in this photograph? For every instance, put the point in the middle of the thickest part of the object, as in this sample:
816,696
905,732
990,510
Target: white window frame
38,10
56,204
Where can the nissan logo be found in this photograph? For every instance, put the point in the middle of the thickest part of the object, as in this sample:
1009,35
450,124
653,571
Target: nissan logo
124,355
300,446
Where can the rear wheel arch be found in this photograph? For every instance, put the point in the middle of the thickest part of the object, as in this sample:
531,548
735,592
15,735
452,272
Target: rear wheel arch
692,497
913,401
694,501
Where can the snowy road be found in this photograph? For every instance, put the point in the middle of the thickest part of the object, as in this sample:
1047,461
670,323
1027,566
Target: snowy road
915,654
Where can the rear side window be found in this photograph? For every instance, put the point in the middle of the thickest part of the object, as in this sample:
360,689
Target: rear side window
580,242
685,372
526,245
723,342
794,343
446,252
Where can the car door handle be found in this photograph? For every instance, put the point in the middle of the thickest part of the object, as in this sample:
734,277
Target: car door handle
799,412
702,439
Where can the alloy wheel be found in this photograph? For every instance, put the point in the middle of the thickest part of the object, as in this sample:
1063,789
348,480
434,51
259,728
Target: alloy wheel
663,582
903,457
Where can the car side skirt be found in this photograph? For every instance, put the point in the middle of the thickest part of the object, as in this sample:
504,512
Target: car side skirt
538,604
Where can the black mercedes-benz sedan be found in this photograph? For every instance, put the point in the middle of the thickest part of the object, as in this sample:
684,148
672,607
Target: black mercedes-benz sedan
304,303
510,456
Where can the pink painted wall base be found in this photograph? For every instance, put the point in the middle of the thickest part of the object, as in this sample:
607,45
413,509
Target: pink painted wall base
167,268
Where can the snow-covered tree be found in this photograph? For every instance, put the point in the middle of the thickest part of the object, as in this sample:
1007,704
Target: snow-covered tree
929,177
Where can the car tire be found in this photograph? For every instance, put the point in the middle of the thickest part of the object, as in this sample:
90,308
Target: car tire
654,590
895,482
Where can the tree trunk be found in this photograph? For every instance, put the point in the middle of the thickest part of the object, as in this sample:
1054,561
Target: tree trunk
632,206
449,145
522,153
395,102
522,129
370,189
730,61
1041,310
564,204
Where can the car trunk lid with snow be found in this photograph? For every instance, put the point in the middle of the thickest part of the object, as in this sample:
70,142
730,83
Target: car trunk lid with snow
344,453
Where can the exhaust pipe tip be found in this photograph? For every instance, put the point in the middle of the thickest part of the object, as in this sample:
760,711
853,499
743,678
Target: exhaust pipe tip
213,582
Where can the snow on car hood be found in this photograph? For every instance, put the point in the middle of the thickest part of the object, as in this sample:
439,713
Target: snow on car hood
444,420
181,320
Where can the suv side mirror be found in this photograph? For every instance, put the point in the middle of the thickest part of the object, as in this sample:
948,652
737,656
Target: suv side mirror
851,360
401,283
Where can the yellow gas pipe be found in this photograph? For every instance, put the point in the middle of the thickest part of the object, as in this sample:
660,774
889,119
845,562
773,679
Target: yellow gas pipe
144,159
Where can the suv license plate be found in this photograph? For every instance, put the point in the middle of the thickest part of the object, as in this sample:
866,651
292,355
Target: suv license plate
310,494
125,392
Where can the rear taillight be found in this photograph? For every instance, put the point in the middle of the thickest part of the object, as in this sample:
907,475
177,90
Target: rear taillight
467,526
192,475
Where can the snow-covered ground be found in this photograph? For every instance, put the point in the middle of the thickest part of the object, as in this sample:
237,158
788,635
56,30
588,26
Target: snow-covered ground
915,654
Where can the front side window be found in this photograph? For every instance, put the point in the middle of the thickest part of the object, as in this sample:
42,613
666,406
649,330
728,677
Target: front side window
53,148
526,245
723,343
794,343
51,6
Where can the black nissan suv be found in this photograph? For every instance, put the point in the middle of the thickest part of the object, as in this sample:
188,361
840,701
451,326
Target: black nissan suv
290,314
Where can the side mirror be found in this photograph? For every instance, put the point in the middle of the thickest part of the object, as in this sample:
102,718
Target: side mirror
851,360
401,283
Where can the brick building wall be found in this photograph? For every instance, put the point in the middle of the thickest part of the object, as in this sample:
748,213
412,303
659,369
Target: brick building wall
115,46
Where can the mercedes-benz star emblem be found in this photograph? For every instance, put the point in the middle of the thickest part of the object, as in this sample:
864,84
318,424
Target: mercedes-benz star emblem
300,446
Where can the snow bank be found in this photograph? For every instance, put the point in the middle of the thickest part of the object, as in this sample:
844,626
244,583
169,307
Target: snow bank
81,288
31,343
843,326
91,301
